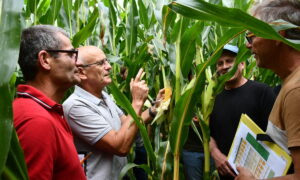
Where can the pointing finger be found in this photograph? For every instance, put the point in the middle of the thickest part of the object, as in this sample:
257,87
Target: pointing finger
139,74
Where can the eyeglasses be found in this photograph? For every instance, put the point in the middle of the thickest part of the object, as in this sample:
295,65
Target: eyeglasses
98,63
250,36
73,53
292,33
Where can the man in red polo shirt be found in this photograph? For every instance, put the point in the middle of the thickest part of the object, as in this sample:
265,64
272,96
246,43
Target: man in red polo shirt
48,63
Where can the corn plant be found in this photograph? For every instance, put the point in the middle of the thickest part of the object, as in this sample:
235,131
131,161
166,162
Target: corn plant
170,40
12,165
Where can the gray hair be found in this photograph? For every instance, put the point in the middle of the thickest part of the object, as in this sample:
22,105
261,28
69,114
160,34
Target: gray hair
271,10
33,40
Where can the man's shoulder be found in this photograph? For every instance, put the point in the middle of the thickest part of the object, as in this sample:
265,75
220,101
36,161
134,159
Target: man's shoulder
259,90
27,106
75,99
258,87
80,97
292,83
24,103
28,112
258,84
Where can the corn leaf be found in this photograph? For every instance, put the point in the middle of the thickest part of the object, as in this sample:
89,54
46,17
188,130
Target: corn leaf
122,101
87,30
131,29
52,13
169,17
188,47
15,167
32,5
143,13
68,9
233,17
77,5
132,165
9,42
43,7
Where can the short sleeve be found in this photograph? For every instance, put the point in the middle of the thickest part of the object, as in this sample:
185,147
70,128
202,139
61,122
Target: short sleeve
119,111
113,105
291,116
87,123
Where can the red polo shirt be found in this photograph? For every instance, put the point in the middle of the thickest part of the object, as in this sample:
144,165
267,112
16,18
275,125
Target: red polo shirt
45,137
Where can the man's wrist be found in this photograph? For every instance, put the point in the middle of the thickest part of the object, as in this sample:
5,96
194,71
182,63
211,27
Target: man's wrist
137,106
214,152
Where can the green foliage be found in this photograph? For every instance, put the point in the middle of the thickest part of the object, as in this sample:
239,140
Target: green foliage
232,17
170,40
52,13
12,164
87,30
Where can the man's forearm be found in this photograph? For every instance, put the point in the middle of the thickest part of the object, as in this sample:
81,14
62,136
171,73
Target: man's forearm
213,146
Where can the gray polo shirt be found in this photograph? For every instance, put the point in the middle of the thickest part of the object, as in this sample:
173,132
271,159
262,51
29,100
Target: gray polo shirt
90,119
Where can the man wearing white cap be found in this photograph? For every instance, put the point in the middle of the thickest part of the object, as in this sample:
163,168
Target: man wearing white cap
240,95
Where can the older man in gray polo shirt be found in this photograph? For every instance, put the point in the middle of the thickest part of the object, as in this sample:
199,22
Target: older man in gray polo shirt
99,126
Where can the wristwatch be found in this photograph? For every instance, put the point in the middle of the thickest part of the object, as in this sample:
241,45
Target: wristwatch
151,113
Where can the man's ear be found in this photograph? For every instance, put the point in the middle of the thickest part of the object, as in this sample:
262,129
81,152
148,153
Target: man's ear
44,59
82,73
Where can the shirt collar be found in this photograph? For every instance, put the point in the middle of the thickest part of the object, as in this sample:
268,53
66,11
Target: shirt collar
290,76
88,96
36,95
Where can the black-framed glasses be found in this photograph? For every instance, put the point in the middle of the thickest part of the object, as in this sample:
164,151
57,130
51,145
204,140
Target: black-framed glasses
249,37
292,33
98,63
73,53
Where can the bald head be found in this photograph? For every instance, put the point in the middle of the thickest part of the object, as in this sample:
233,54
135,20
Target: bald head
89,54
94,69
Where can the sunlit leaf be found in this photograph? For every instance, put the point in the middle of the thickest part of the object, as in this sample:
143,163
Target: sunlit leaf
43,7
188,47
32,5
132,165
131,29
228,17
68,9
123,102
52,13
15,168
77,5
87,30
10,31
143,13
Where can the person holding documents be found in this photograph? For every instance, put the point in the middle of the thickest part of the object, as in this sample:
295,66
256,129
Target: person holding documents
239,96
284,60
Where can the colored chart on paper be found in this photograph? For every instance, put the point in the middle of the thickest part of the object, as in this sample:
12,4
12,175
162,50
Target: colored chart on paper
253,158
263,159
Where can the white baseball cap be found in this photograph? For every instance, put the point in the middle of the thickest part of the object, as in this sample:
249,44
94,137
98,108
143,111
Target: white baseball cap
231,48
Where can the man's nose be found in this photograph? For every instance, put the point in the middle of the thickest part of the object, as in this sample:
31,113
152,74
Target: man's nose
248,45
226,66
78,63
107,65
